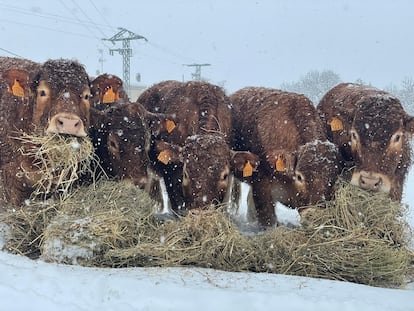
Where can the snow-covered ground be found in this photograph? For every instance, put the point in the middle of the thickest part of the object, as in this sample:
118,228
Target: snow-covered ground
36,285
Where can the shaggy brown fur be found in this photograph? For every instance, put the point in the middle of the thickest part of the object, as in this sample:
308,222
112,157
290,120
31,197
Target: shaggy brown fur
50,98
203,120
372,132
298,166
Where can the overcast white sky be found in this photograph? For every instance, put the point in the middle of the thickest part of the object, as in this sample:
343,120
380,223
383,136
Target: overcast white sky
262,43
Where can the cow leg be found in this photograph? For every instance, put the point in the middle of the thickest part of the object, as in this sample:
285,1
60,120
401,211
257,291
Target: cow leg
262,197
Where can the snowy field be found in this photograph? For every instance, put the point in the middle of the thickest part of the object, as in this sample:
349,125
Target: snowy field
36,285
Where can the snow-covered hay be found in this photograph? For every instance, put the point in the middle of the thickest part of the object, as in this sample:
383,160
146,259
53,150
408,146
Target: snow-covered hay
359,237
106,216
59,161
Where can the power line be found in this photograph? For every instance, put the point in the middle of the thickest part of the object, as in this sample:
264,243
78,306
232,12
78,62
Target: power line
11,53
47,28
86,26
50,16
88,18
100,13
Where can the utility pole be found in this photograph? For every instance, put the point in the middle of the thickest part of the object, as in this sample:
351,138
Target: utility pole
101,59
197,74
125,36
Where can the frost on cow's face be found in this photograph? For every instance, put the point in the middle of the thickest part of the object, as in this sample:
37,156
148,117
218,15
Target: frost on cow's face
315,173
206,170
378,140
62,103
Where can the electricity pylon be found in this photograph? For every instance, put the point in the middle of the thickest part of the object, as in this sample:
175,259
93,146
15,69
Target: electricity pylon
197,74
125,36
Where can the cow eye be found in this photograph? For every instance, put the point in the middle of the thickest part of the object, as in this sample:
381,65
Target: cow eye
299,178
397,138
354,136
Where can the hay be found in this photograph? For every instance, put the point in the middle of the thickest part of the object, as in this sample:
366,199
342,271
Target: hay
26,226
206,238
92,221
59,160
360,237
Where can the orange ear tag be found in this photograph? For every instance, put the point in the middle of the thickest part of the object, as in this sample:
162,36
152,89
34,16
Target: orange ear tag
336,124
247,169
280,166
110,96
17,89
170,125
164,157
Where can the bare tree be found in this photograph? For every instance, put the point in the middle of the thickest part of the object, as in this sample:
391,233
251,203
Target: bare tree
314,84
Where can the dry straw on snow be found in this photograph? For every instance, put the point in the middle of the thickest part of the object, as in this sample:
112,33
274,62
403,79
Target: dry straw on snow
360,237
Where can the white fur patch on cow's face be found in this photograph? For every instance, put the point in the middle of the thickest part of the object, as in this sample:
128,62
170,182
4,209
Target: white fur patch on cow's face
299,181
395,144
223,182
43,99
371,181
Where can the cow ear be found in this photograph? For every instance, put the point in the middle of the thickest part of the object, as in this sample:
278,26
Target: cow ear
282,161
108,88
409,124
245,162
168,153
336,124
17,82
157,122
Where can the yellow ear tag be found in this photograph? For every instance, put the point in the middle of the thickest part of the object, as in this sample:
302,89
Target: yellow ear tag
280,166
110,96
170,125
17,89
164,156
247,169
336,124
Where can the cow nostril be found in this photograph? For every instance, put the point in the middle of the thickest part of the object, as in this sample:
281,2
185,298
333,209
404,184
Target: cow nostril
378,183
60,122
77,124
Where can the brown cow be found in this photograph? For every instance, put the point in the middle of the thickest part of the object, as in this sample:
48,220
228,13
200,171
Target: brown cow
125,131
372,131
195,159
121,132
52,98
298,166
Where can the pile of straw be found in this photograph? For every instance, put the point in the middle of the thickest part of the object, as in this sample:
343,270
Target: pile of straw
359,237
92,221
59,160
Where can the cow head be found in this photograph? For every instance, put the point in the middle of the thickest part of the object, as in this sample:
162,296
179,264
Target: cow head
62,95
207,164
311,171
106,89
379,140
125,133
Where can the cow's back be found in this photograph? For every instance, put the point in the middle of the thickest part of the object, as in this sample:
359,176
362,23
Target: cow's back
200,108
264,116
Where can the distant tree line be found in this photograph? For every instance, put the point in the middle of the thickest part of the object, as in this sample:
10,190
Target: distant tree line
316,83
405,92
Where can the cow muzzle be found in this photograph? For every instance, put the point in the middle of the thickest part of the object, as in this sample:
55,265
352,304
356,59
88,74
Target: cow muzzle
65,123
371,181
